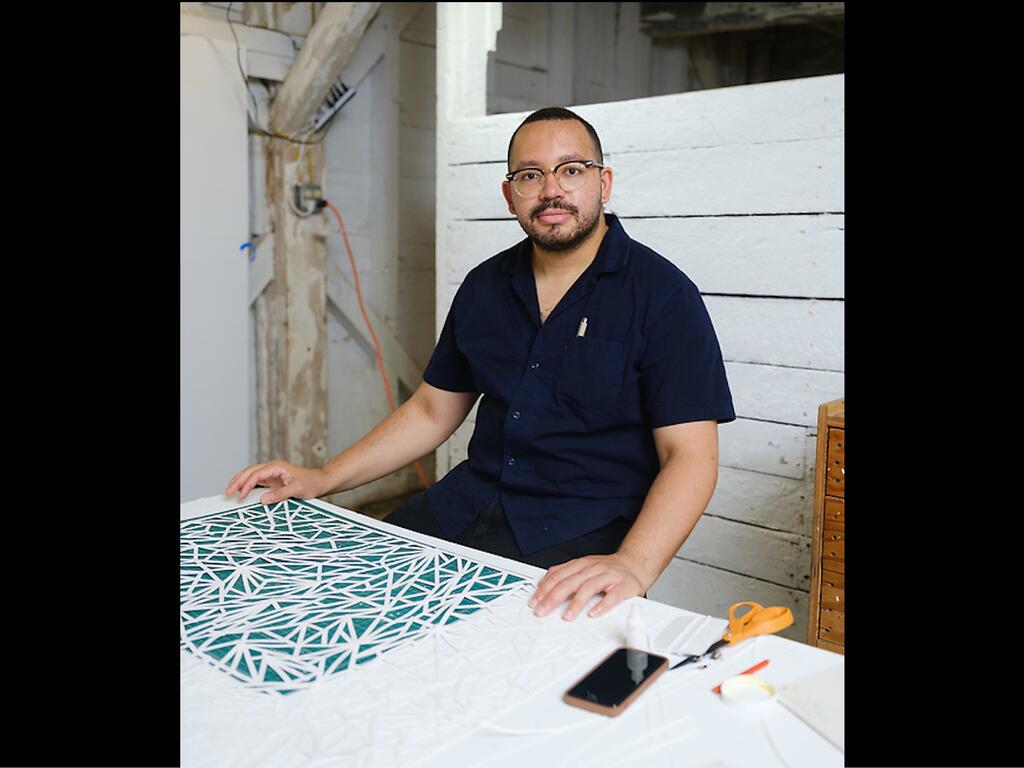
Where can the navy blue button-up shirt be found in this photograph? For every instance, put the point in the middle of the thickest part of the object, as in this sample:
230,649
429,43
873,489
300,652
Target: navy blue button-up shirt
563,430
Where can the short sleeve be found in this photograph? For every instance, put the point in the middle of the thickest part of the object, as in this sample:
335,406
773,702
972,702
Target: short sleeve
682,375
448,368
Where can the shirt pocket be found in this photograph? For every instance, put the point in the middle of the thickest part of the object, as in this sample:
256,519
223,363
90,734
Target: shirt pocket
592,372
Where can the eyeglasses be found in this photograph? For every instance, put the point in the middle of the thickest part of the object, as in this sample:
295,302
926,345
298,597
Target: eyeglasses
528,182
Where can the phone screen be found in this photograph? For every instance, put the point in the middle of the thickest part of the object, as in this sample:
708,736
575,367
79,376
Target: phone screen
612,681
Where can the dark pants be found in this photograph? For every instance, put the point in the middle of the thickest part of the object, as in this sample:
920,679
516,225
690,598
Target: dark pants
490,532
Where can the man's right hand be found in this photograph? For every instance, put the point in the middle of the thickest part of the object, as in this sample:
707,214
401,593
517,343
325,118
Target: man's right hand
284,480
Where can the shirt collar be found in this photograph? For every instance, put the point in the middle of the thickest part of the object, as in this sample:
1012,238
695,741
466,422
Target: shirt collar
612,256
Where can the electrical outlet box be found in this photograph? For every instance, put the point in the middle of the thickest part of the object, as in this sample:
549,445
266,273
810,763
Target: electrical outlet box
306,197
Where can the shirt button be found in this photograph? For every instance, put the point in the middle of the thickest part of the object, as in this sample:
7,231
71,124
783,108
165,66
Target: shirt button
515,414
511,462
534,364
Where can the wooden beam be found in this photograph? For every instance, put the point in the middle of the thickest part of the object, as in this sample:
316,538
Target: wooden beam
261,270
400,367
269,326
291,309
668,20
290,319
328,47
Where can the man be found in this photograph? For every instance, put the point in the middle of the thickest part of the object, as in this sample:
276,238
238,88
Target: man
595,448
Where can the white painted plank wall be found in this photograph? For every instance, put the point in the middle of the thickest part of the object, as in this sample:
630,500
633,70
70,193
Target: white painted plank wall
742,188
764,113
703,181
791,255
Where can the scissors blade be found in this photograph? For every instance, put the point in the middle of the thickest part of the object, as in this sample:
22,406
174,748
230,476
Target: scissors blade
714,647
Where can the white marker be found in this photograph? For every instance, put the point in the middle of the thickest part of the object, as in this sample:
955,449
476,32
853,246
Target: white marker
582,331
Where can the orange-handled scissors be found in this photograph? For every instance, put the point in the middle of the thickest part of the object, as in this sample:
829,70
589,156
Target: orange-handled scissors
757,621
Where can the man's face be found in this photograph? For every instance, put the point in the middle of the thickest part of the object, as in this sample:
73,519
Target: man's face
554,219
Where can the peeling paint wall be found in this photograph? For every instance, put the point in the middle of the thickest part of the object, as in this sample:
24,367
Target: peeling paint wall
380,175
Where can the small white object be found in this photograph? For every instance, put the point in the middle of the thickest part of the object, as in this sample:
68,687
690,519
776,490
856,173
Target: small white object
748,692
582,330
636,630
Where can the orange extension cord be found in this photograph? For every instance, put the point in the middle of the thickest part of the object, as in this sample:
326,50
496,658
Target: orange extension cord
373,334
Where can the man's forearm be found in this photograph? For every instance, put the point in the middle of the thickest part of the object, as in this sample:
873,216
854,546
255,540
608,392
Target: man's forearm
408,434
677,498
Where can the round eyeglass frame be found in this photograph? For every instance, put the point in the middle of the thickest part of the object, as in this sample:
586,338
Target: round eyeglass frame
553,169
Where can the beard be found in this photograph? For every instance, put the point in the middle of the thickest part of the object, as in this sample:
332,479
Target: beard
560,237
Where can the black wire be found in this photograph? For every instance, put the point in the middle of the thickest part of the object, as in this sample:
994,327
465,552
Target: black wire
255,108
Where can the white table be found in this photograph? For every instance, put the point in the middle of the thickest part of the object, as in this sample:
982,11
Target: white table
482,690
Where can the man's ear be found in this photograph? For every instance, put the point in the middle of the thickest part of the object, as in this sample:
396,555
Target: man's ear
506,190
607,177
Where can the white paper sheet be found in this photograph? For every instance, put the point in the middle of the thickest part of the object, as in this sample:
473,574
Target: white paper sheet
818,700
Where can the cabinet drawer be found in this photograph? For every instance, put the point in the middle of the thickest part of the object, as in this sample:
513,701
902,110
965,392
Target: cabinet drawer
830,646
835,512
833,598
835,463
831,534
832,626
833,553
833,580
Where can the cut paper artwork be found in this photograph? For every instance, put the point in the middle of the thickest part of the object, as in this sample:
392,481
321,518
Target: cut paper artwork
279,597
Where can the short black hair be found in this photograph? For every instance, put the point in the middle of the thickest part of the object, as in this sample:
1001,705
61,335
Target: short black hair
556,113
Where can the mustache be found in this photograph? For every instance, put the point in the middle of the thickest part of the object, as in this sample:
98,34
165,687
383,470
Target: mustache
562,206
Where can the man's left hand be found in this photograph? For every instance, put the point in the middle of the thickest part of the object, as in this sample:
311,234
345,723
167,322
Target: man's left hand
583,578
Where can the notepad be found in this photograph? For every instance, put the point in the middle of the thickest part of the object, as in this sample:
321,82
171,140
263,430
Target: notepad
818,700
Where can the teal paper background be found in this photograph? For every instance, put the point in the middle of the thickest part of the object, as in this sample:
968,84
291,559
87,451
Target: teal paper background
279,597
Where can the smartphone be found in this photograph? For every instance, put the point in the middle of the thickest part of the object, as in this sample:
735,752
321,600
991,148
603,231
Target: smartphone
615,683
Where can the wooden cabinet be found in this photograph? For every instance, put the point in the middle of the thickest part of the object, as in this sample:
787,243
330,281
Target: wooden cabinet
826,623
